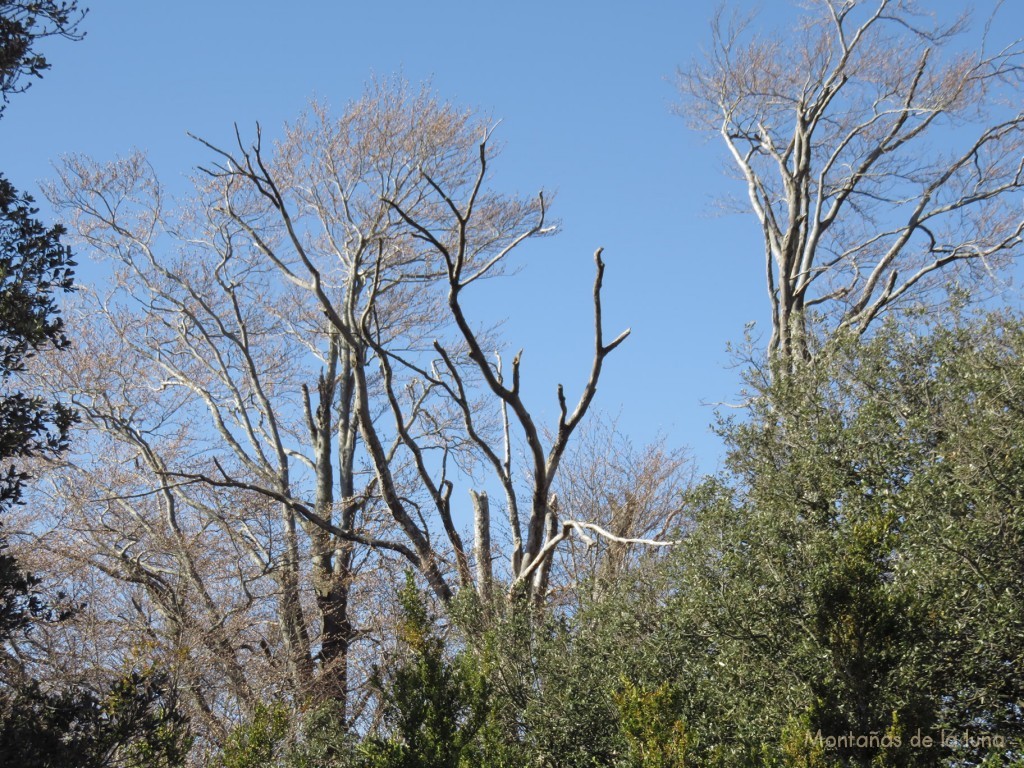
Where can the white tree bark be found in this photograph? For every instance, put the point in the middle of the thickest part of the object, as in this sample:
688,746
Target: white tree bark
879,160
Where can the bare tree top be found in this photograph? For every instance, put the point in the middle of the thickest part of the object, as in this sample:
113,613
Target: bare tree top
880,157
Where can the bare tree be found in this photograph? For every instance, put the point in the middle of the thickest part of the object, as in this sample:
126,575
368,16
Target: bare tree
878,158
632,492
197,579
450,232
313,387
245,359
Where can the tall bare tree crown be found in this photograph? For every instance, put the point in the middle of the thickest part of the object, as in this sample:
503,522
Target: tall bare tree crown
281,374
880,159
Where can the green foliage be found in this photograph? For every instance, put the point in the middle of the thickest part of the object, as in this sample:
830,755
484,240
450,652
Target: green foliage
259,742
655,736
799,746
851,585
856,570
142,723
552,692
20,604
135,724
22,24
135,721
850,588
433,706
33,264
325,741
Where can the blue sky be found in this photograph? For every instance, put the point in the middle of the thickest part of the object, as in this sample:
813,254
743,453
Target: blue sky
584,94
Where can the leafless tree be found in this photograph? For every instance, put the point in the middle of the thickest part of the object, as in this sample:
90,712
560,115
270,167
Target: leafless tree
262,388
195,579
449,231
286,377
633,492
879,159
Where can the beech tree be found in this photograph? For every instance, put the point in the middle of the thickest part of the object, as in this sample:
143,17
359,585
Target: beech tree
223,342
879,159
282,368
633,492
449,232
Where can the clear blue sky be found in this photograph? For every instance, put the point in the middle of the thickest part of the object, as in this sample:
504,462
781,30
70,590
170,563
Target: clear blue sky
584,92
